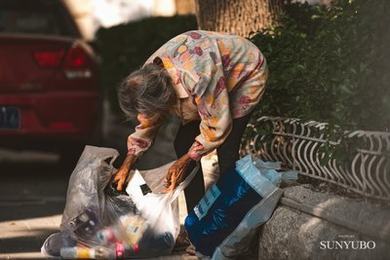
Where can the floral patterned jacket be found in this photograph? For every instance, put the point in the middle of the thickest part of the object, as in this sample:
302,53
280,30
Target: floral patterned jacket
217,77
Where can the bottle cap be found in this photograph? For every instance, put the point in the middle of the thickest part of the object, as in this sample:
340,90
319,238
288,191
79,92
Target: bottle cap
120,250
136,248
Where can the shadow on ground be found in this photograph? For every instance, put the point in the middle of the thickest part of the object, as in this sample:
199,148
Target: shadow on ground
32,198
29,243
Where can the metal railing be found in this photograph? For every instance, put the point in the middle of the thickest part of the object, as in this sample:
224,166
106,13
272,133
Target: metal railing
306,147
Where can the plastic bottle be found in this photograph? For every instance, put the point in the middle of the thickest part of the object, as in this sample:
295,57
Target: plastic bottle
105,253
134,227
107,236
88,253
129,251
130,230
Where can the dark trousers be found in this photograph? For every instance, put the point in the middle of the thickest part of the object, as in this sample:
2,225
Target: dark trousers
228,154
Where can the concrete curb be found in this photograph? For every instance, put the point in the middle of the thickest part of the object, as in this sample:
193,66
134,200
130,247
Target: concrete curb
357,215
307,225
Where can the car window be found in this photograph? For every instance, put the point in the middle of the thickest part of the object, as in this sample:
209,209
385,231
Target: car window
48,17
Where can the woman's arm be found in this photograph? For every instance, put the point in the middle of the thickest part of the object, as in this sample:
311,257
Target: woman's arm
216,120
123,172
137,143
145,132
215,126
176,173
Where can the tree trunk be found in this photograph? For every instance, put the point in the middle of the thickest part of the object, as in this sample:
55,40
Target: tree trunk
242,17
184,7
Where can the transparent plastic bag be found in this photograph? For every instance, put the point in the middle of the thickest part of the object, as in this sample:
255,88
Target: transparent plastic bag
105,224
86,198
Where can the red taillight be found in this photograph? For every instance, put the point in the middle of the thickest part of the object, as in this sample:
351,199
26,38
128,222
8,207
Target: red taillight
77,63
76,58
49,58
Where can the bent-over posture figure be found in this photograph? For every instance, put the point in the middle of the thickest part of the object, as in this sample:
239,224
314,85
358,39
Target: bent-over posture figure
212,81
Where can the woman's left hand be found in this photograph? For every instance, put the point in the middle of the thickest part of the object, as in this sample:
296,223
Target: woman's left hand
176,172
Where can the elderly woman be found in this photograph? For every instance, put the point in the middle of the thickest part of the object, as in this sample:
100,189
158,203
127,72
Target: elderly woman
212,81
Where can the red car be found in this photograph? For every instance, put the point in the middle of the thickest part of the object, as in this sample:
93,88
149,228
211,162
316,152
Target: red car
49,94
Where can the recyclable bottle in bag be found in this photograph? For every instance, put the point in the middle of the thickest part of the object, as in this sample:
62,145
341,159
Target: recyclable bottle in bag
144,221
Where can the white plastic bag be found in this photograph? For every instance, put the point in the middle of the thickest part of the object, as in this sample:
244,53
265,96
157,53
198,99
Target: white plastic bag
160,209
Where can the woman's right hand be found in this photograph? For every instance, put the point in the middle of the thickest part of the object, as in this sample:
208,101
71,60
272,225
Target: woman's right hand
121,175
120,179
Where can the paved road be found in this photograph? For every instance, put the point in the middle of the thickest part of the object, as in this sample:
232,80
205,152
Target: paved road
32,196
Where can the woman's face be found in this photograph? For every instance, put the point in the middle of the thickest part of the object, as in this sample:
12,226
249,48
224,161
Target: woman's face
147,121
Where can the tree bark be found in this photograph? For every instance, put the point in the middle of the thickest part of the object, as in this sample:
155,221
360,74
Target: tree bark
184,7
242,17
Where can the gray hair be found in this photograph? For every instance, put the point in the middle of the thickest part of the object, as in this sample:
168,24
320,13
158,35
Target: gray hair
147,91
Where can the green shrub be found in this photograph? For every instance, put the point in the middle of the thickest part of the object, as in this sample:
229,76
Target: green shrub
126,47
330,64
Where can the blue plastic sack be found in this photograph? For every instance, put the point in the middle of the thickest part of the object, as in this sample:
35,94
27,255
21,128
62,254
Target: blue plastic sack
228,215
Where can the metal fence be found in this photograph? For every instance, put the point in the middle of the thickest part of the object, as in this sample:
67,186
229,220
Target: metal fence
306,147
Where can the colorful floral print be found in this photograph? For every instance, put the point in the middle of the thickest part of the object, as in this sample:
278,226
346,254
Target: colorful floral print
217,77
